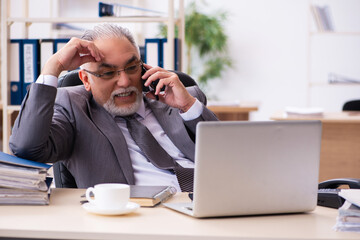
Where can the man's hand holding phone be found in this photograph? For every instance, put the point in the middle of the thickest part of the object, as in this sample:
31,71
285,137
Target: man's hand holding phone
174,94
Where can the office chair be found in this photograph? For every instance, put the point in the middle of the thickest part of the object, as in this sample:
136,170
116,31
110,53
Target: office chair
353,105
63,178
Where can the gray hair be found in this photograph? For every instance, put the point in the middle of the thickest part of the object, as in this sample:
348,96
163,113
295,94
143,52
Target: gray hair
109,30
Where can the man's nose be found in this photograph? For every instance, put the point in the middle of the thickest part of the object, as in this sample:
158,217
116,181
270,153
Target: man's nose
123,79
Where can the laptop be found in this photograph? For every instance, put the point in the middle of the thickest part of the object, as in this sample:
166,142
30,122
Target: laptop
253,168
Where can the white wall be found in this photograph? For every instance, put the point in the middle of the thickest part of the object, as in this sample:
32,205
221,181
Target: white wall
269,43
278,64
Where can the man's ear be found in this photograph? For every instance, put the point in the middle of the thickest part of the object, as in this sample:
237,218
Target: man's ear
85,79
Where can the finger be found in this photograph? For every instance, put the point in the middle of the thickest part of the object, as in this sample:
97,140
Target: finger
95,53
89,47
165,82
87,58
150,95
151,71
158,75
147,66
161,97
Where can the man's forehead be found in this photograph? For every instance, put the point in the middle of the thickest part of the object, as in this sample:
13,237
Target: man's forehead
126,61
109,43
117,52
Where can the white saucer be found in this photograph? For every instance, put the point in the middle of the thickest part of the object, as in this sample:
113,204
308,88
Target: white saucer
130,207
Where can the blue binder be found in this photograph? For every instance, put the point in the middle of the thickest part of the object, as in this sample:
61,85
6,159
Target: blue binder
16,71
31,63
13,160
46,51
153,52
59,43
176,53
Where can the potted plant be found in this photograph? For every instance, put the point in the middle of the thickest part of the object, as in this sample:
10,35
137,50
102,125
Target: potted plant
205,38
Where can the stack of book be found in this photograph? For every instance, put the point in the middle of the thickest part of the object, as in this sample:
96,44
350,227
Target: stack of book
23,181
348,219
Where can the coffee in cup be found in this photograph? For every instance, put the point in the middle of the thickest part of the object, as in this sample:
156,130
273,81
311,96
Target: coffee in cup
109,195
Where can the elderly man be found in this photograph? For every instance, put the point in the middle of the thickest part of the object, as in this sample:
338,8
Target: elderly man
88,127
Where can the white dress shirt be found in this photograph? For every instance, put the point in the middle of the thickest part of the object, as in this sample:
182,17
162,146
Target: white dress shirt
145,172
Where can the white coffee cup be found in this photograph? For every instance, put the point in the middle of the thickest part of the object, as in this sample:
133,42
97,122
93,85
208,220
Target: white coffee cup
109,195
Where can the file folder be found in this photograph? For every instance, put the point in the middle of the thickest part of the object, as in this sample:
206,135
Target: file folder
58,44
46,51
31,62
153,52
16,71
166,61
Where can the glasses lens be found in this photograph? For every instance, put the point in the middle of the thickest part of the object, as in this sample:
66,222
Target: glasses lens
132,69
108,75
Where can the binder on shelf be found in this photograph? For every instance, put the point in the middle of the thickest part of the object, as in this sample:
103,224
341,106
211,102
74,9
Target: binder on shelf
153,52
31,59
16,71
166,61
122,10
48,47
59,43
46,51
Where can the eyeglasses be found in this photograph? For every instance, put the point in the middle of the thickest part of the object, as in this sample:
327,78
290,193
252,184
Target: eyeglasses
111,74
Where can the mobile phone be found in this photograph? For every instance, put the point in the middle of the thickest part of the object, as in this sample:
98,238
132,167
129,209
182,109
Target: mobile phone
152,86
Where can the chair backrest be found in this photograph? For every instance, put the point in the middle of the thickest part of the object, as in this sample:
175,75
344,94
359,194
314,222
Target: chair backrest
63,178
353,105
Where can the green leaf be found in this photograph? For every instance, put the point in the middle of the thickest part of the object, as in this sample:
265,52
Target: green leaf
205,34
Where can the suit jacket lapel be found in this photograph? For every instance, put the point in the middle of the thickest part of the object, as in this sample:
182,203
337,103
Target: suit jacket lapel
104,122
173,126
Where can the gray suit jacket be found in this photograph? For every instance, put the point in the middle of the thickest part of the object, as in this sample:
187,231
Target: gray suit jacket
67,124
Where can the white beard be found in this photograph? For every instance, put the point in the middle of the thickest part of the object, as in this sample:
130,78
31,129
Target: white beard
111,107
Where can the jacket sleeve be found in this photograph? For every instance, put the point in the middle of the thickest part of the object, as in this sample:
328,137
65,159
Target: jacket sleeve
42,129
206,114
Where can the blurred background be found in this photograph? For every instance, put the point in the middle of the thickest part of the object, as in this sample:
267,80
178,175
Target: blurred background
278,53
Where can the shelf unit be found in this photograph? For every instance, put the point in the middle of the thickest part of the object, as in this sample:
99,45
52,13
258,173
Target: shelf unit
317,85
7,21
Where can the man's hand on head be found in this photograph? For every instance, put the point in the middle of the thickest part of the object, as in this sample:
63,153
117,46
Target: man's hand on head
175,94
75,53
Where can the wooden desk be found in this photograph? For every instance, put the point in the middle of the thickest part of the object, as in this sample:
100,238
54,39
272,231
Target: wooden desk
233,112
340,143
64,218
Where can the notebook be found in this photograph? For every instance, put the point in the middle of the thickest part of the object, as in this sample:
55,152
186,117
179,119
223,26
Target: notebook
150,196
252,168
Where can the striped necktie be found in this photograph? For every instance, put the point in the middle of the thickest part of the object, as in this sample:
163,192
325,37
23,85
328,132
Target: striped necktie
157,155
